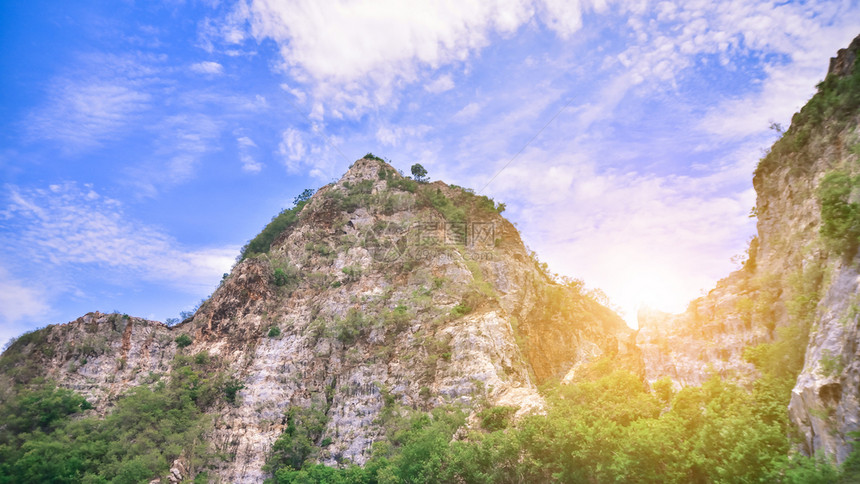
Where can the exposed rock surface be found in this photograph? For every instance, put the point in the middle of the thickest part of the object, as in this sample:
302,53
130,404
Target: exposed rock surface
376,294
792,278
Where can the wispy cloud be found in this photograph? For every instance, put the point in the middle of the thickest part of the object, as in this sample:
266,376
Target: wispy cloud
180,144
249,163
83,113
639,237
95,103
440,84
18,301
208,67
69,225
292,149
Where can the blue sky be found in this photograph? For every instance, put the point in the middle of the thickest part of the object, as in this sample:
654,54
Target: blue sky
143,143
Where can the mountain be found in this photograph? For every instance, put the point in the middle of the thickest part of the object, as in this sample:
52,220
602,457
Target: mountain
792,311
375,290
392,330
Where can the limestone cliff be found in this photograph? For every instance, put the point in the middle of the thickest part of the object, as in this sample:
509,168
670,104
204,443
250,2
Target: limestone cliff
381,288
800,282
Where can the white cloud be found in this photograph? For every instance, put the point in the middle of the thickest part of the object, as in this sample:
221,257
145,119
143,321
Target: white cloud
208,67
18,302
392,135
565,16
784,90
183,140
355,55
95,103
249,163
67,224
292,149
467,112
639,237
83,113
440,84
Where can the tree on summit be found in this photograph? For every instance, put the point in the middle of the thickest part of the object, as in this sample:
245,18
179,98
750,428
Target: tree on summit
419,172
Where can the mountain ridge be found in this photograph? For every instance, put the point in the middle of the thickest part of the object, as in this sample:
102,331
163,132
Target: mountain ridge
380,287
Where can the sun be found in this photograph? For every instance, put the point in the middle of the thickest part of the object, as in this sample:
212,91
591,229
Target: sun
651,288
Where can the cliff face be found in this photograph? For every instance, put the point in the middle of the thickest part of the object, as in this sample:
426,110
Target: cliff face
800,282
382,290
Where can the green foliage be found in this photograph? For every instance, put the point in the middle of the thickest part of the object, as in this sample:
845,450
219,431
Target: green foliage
231,388
607,430
371,156
401,183
397,318
830,365
419,173
460,310
357,195
348,329
288,276
836,101
20,358
353,273
496,418
38,409
452,213
304,197
183,340
321,248
298,443
840,218
274,332
281,222
147,430
664,389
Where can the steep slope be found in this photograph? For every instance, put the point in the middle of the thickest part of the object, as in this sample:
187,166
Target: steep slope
791,313
376,293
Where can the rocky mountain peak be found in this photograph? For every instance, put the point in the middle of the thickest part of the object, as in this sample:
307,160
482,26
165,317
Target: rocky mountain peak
378,292
844,63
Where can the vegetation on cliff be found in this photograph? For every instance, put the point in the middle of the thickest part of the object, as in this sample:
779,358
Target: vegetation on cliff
607,429
47,434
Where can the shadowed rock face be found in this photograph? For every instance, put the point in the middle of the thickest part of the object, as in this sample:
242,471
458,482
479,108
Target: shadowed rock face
380,287
793,277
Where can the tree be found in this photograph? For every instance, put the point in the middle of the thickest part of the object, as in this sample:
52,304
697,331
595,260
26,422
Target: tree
419,172
304,196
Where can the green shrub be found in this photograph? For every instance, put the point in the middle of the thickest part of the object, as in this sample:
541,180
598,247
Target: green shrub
287,276
496,418
183,340
299,442
349,328
830,365
231,388
401,183
274,332
840,219
371,156
398,318
461,310
452,213
281,222
321,248
279,277
353,273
